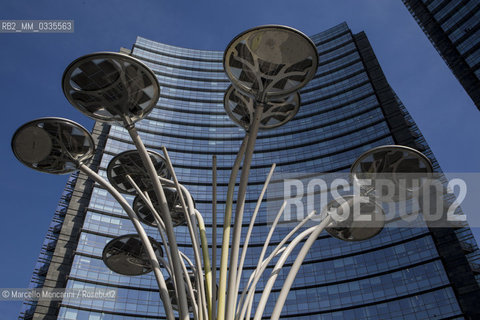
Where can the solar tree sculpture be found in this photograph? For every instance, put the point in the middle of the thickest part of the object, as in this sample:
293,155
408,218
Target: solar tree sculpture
267,66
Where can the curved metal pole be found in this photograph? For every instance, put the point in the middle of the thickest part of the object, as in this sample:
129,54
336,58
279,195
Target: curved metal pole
214,238
192,266
274,274
186,258
260,269
142,234
193,234
191,292
250,227
165,264
267,241
270,233
197,298
177,269
258,272
256,275
161,227
204,296
251,294
206,255
156,216
296,266
237,227
227,220
198,270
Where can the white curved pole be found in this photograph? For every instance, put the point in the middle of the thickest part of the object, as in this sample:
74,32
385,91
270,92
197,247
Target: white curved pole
278,266
198,269
142,234
250,227
156,216
227,220
165,264
214,238
204,296
232,292
258,272
270,233
206,255
296,266
161,227
157,187
193,235
196,314
196,299
267,240
246,306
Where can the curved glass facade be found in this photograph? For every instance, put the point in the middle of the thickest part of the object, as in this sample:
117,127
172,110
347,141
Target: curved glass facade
398,274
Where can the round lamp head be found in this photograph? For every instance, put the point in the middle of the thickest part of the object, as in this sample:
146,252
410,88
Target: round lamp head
174,206
52,145
126,255
110,87
130,163
270,61
353,219
276,112
403,167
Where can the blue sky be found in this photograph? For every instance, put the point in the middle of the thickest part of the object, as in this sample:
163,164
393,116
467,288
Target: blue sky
31,67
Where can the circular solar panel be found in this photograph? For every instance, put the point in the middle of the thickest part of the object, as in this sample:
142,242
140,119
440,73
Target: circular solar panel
276,112
354,220
52,145
174,206
126,255
270,61
108,86
130,163
404,167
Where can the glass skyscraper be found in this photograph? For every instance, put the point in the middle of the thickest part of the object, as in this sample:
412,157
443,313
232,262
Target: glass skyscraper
453,27
348,108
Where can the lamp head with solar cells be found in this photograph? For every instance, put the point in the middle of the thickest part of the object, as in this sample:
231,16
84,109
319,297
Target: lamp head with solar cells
53,145
129,163
174,204
111,87
403,167
270,61
126,255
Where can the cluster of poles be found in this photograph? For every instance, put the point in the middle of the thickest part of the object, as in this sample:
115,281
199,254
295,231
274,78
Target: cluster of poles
267,66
